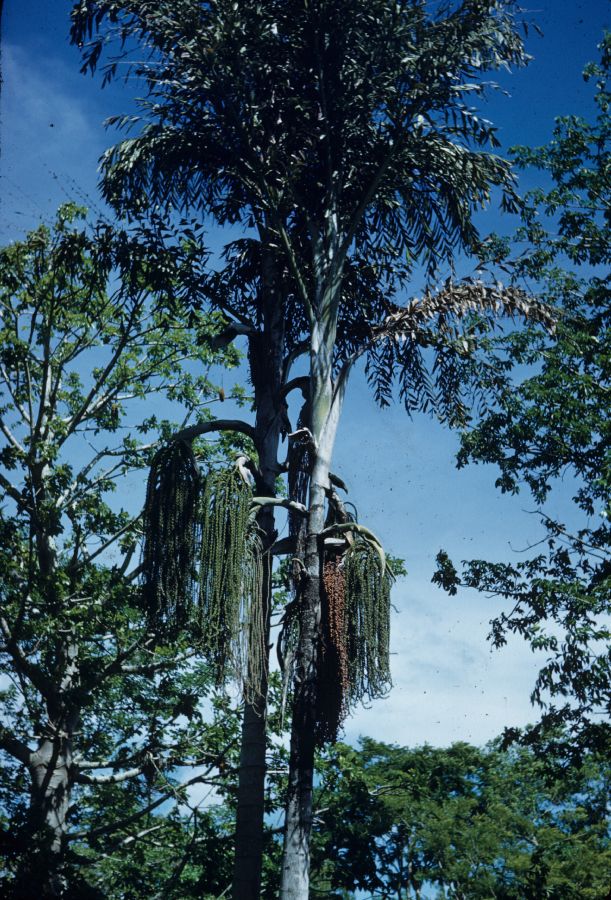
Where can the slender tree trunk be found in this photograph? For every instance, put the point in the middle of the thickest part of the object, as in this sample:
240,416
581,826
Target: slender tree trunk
325,409
298,821
266,354
41,868
248,857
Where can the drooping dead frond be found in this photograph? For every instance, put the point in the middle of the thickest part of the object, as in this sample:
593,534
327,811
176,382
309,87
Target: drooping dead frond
429,347
455,300
170,528
439,312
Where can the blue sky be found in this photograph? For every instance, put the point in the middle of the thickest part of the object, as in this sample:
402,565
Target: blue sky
449,685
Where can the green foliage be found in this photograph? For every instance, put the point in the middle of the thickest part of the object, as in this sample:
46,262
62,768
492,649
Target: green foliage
555,425
460,822
366,152
89,339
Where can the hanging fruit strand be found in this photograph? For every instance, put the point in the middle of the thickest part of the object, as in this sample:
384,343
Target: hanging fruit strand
169,538
368,584
249,651
333,688
231,579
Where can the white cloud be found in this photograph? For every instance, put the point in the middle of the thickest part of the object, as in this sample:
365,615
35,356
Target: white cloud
449,685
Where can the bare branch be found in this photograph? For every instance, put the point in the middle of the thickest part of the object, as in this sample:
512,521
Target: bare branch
18,406
229,334
302,383
285,546
113,778
160,666
11,491
279,501
194,431
131,838
108,542
298,350
11,437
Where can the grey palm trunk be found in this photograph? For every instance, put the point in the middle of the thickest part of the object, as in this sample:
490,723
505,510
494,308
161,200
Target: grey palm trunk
266,357
327,400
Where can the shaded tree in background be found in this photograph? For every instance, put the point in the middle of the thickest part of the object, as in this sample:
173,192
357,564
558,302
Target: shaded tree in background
555,425
361,163
97,714
460,822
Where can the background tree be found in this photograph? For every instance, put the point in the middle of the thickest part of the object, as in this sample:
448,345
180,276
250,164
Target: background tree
362,162
555,425
459,822
97,714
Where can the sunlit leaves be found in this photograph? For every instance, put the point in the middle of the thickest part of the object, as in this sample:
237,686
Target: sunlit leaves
554,426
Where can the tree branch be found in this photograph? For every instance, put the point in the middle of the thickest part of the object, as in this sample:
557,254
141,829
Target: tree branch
194,431
11,437
107,543
12,491
113,778
297,351
78,417
280,501
285,546
22,663
14,746
151,668
128,820
229,334
301,383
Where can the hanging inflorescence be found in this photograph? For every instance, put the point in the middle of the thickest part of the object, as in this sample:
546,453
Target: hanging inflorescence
368,584
170,527
333,686
203,563
230,613
204,569
355,628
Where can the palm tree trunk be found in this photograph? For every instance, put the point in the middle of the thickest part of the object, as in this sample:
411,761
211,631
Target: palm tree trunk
266,356
325,410
298,821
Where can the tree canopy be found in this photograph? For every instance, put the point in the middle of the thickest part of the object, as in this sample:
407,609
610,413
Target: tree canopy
362,162
92,701
459,822
554,425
